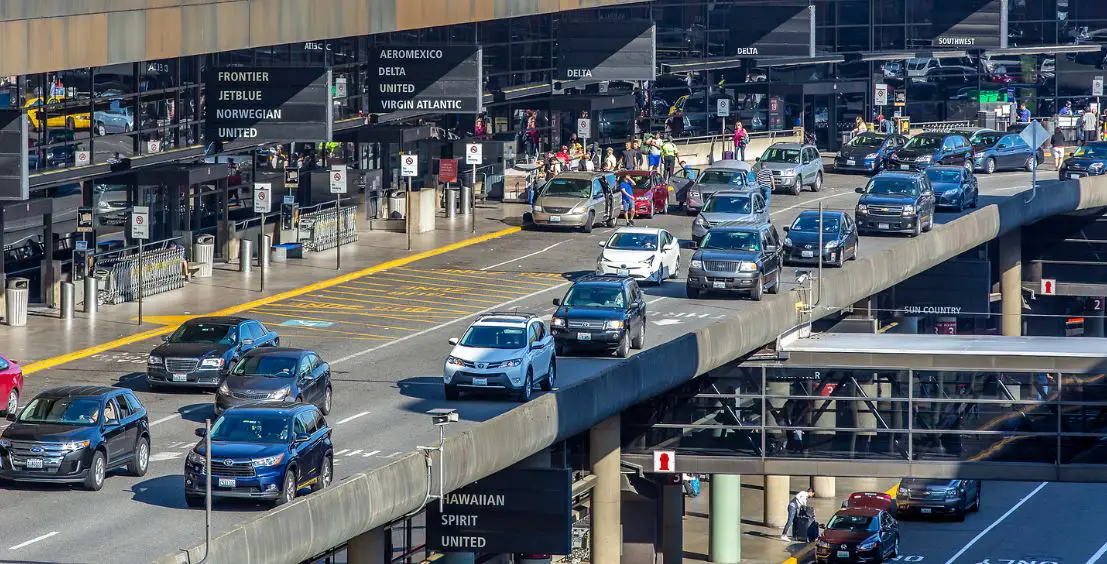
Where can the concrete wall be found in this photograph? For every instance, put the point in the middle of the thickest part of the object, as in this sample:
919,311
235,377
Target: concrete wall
320,521
49,35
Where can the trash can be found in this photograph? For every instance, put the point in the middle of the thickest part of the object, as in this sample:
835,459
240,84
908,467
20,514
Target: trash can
397,204
204,255
15,299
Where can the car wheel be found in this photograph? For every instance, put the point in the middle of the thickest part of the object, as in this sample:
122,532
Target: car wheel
587,228
328,398
640,339
551,377
692,293
623,350
524,393
895,549
975,201
959,516
775,288
968,163
758,290
818,185
288,492
13,401
918,228
1029,166
141,462
97,469
610,222
841,260
856,247
990,165
101,130
452,393
797,187
326,474
929,223
194,500
976,504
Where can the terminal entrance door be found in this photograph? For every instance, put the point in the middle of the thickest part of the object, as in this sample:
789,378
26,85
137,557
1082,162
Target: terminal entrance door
829,110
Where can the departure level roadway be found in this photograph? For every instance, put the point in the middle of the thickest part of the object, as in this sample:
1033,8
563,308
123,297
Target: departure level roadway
385,336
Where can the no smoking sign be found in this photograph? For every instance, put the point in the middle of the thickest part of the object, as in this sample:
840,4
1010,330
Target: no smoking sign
338,179
474,154
409,165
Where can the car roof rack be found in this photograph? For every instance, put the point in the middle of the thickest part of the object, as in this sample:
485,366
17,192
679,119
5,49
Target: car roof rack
523,314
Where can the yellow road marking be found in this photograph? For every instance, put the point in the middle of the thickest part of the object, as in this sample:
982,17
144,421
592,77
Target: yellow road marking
438,288
291,332
417,300
410,317
264,311
494,281
321,305
409,278
439,310
408,293
168,319
151,333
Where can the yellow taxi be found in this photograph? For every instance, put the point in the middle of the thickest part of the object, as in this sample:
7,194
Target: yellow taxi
56,119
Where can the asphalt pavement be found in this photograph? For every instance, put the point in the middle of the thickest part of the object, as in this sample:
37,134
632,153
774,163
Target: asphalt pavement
385,336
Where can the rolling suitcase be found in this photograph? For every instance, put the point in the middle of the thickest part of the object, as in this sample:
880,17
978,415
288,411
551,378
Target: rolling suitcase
800,527
728,155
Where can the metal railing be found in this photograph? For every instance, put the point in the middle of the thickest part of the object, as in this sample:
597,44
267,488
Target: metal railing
160,269
328,228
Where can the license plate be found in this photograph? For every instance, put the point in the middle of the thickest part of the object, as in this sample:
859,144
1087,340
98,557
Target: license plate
807,254
180,377
622,272
226,482
555,219
843,554
883,226
718,284
1073,176
584,336
927,510
33,463
905,167
850,162
480,381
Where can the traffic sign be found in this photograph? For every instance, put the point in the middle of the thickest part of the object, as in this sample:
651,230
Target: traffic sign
1034,135
263,197
664,461
722,107
1097,86
880,95
140,222
409,165
153,146
474,153
584,128
84,158
338,179
1049,287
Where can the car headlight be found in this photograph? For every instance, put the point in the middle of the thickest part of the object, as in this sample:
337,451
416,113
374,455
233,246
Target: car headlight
700,221
978,155
557,321
1095,166
923,159
211,363
153,360
281,393
579,208
788,172
905,492
73,446
862,208
832,244
867,545
537,208
511,363
5,443
950,192
267,461
648,260
613,324
454,361
787,242
953,493
908,209
747,267
871,156
224,389
103,205
696,263
822,543
196,458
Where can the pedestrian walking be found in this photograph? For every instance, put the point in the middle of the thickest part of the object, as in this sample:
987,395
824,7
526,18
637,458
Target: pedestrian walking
1058,147
1089,123
795,505
741,139
765,181
626,189
669,154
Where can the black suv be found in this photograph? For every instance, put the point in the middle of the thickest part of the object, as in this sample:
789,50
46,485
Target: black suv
202,350
932,496
76,434
931,148
600,311
896,202
737,258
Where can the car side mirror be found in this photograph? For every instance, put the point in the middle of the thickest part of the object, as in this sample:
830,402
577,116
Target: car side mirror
693,245
859,190
301,438
557,301
201,432
535,346
453,340
247,342
10,416
785,228
601,244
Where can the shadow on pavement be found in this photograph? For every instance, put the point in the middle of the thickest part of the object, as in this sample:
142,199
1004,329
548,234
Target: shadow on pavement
429,394
197,413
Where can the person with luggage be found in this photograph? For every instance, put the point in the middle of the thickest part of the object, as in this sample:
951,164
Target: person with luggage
741,139
797,506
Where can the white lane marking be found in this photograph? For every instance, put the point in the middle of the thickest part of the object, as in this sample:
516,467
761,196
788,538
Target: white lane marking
809,202
352,452
496,307
981,534
655,300
525,256
1095,557
368,454
342,452
178,415
33,541
162,456
352,417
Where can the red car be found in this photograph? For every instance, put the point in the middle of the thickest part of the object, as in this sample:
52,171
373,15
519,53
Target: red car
11,384
651,194
871,500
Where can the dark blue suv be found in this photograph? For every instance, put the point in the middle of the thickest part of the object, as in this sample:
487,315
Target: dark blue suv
267,451
601,311
1089,160
202,350
866,152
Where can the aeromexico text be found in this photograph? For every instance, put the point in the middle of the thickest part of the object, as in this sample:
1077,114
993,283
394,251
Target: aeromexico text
459,501
399,71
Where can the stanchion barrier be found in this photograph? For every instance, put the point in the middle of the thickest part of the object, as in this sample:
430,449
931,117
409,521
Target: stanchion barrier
326,229
162,271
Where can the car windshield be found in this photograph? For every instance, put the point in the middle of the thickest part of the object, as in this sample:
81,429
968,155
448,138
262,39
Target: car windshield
633,242
986,138
866,140
778,155
641,182
809,223
924,142
568,187
250,428
267,365
62,411
729,204
596,296
215,333
494,337
892,187
732,241
853,523
716,176
943,175
1092,152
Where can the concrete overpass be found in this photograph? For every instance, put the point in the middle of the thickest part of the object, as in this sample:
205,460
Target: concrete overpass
368,500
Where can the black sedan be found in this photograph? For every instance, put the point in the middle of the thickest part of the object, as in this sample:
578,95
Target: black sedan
277,374
954,187
866,152
201,350
839,238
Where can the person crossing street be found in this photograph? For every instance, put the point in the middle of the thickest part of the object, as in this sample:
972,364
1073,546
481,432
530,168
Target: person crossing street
626,189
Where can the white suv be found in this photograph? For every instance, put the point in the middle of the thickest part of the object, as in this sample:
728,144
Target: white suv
501,351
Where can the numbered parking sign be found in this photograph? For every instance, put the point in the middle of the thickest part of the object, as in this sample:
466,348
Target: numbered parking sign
474,154
338,179
263,197
409,165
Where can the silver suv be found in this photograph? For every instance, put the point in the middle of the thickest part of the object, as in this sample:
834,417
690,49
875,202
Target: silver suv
576,199
794,166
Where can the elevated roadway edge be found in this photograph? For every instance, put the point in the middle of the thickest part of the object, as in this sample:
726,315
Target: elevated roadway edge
366,501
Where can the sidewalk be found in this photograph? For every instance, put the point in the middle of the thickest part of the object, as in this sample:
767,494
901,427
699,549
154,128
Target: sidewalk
46,336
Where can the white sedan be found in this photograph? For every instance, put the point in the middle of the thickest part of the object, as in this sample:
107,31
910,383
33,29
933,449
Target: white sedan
642,253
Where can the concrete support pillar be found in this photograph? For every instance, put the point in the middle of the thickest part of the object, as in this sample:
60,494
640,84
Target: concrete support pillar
459,558
776,497
824,486
368,548
1010,282
672,523
725,537
607,524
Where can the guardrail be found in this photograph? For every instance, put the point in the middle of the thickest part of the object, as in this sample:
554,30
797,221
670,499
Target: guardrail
328,228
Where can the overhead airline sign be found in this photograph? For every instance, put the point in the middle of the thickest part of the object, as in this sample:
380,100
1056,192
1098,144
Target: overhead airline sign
772,29
14,184
965,23
604,50
440,80
268,104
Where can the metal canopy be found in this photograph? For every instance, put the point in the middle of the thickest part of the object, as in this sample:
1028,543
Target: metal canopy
591,103
182,174
386,133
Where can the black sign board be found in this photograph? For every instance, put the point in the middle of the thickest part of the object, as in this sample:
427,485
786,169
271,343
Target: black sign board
13,156
267,104
960,24
525,510
771,29
291,178
604,50
955,288
439,80
84,219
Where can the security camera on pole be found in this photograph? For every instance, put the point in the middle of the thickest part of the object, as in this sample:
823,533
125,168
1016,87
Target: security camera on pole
263,204
338,188
409,167
474,155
